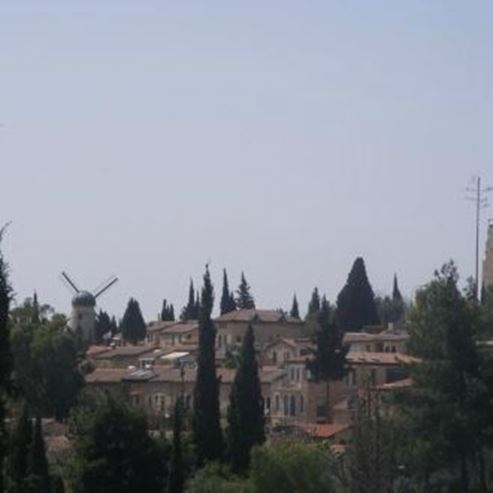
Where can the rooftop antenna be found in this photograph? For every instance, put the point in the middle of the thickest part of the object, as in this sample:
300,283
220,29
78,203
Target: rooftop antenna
480,199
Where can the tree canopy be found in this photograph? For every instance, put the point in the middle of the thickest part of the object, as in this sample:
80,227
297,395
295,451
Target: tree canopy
244,298
356,306
133,326
228,303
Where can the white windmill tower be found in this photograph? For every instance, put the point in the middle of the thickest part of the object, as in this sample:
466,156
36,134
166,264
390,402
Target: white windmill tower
83,317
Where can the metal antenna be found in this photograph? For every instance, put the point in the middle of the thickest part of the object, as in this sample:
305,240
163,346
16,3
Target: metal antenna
74,287
108,285
481,201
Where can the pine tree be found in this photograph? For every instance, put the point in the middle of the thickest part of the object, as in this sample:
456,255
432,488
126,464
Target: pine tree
114,329
329,357
6,361
196,309
36,311
244,299
38,473
133,326
228,303
206,418
396,293
19,451
167,312
245,413
189,311
314,304
356,307
176,477
102,327
295,311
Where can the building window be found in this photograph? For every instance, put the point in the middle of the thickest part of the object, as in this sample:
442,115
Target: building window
286,405
292,406
274,357
291,373
238,339
302,405
297,374
373,376
267,404
286,356
219,341
368,348
276,400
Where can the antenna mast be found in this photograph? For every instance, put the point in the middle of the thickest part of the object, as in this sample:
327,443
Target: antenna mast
478,196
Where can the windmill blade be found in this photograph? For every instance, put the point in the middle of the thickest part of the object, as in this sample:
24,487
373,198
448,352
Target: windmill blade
69,281
108,285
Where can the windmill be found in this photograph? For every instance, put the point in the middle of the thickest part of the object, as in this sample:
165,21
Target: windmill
83,318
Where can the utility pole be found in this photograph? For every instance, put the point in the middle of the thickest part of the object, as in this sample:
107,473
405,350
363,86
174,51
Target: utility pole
478,196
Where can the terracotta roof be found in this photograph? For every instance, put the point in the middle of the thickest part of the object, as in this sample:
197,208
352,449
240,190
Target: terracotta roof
367,358
124,351
106,375
95,350
367,337
323,430
161,325
253,315
181,328
295,343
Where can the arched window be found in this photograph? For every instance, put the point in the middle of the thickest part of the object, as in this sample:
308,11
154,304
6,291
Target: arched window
292,406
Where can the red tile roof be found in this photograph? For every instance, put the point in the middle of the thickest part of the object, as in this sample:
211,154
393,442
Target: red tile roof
323,430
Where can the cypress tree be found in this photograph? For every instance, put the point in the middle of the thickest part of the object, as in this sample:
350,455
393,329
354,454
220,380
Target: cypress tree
244,300
133,326
295,311
356,305
36,312
176,477
314,304
206,418
167,312
228,303
245,413
396,293
189,311
329,357
19,451
6,361
102,326
114,329
38,472
196,309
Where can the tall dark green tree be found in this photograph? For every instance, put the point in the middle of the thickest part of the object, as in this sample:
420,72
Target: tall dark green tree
356,307
176,476
6,360
133,326
114,452
449,408
206,418
102,327
228,303
38,478
244,298
328,362
391,309
190,310
314,304
167,312
19,452
295,310
246,411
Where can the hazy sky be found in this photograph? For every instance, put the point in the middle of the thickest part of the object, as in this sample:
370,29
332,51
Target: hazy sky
146,138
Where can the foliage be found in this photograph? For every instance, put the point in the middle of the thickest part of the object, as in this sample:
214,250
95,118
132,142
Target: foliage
228,303
216,478
176,477
19,444
290,467
206,418
295,310
38,478
451,404
313,305
246,410
167,312
114,452
356,306
244,298
6,360
46,362
133,326
103,327
371,453
391,309
191,310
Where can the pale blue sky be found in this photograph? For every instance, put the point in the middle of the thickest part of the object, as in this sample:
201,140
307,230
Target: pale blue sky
145,138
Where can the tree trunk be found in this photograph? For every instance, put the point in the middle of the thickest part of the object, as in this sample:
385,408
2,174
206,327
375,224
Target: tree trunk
327,396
